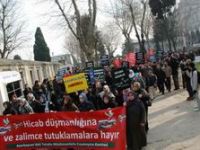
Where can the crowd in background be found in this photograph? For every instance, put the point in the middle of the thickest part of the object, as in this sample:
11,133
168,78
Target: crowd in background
148,78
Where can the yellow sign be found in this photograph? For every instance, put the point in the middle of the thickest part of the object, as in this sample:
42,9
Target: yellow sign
75,83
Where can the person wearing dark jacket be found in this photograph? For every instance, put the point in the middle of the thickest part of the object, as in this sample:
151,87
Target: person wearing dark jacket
35,103
161,77
151,83
9,110
24,107
107,102
14,102
85,105
168,73
27,90
68,105
187,80
136,136
174,65
144,97
37,88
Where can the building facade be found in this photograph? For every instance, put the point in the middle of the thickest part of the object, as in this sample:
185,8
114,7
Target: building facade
63,59
30,70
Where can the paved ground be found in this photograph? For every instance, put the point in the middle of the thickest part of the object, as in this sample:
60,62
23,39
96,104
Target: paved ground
173,124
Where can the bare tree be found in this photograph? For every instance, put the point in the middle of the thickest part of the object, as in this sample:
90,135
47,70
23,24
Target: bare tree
122,17
11,28
72,46
111,38
140,37
129,15
148,25
85,35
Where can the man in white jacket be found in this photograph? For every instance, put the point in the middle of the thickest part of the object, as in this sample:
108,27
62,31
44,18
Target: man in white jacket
194,84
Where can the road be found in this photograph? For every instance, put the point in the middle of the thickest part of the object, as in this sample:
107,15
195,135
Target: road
173,124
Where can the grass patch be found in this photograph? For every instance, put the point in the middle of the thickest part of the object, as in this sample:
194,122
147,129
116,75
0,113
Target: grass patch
198,66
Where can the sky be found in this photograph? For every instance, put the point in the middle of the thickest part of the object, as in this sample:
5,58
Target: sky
38,14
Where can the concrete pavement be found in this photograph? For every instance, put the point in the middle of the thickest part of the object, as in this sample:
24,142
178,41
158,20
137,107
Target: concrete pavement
173,123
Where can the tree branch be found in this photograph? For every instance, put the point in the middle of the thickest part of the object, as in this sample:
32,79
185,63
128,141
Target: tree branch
66,18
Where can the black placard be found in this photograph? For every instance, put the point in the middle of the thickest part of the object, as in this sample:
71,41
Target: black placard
90,64
105,60
121,79
140,58
99,74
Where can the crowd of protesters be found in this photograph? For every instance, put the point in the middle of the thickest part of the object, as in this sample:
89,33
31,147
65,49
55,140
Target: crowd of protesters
148,77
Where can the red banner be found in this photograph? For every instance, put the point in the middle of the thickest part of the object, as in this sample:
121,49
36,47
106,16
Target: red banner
130,57
98,130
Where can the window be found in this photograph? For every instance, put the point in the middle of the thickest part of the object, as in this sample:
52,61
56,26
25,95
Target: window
31,74
14,87
38,73
23,79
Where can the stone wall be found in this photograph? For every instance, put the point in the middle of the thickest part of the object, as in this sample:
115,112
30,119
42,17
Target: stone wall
30,70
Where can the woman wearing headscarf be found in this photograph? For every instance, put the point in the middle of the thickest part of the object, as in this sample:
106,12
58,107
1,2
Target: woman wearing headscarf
24,107
107,98
136,136
68,105
144,97
85,105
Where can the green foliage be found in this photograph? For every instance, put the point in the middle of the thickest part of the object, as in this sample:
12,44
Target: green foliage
166,30
41,50
99,44
17,57
160,7
197,66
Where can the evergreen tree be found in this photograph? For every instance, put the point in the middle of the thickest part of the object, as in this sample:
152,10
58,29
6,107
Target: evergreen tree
160,8
41,50
17,57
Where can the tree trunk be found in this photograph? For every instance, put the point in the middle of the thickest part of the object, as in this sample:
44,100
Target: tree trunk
135,27
147,40
83,61
169,44
96,55
143,44
163,46
174,44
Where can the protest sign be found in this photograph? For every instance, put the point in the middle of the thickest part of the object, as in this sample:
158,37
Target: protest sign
61,72
140,58
98,75
121,79
75,83
98,130
105,60
90,64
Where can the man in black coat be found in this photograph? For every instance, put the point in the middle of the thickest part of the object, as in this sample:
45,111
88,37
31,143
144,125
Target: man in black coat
161,76
175,65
